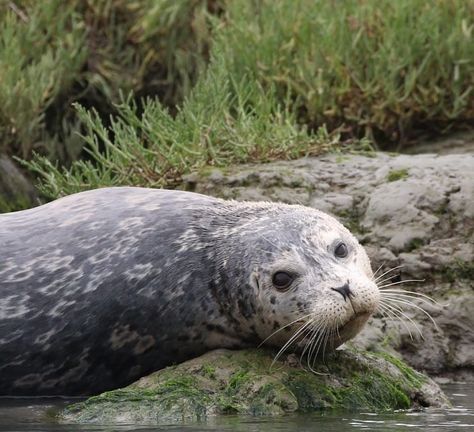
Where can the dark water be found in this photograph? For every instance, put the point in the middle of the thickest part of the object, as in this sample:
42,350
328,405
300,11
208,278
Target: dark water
31,415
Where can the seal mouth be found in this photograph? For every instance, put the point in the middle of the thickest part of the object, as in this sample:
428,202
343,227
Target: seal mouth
354,323
353,326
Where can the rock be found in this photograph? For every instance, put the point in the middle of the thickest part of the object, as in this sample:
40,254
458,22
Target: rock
16,192
416,212
454,143
245,382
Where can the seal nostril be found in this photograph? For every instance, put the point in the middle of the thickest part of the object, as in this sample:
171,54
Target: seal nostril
344,290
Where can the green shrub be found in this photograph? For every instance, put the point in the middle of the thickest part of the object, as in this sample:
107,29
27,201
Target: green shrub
54,53
220,123
41,55
153,47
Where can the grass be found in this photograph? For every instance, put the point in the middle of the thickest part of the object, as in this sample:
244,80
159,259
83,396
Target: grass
380,67
222,82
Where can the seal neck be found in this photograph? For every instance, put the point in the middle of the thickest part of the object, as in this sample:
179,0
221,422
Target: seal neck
230,257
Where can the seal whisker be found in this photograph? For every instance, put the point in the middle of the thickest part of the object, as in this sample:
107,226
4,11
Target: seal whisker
319,329
326,341
400,282
289,342
302,334
309,339
398,311
385,280
387,313
411,304
394,315
389,278
388,271
313,344
285,326
337,329
316,345
412,294
408,298
322,344
378,269
311,334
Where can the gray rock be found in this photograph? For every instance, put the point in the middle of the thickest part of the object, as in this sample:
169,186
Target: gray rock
16,192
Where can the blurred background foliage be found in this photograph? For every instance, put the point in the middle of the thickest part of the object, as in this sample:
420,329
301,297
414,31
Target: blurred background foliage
56,52
140,92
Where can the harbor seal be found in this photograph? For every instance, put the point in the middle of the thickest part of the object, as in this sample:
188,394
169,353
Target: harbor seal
102,287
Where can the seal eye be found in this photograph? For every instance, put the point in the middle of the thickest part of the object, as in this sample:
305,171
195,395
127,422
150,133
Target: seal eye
282,280
341,250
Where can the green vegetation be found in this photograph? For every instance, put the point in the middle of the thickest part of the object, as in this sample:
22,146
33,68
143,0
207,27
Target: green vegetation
243,382
14,204
41,55
414,244
155,149
458,270
395,175
221,82
54,53
352,220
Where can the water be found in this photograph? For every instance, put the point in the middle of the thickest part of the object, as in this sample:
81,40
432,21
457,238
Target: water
28,415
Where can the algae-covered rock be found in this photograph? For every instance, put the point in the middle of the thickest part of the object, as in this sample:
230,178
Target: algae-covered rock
245,382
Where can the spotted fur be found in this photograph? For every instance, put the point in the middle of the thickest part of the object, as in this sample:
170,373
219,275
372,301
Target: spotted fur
102,287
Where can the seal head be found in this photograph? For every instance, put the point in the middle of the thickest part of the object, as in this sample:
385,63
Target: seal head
294,276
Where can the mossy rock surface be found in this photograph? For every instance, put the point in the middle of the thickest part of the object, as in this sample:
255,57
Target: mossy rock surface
246,383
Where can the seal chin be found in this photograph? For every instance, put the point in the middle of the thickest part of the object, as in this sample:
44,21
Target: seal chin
351,328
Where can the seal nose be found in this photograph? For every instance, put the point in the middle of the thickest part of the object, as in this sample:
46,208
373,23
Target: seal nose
344,290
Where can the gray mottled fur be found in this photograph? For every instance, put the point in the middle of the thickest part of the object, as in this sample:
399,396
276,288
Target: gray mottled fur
102,287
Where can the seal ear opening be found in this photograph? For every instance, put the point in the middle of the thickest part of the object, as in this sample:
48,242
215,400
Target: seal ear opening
254,280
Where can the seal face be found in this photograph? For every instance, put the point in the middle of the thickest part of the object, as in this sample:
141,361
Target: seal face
102,287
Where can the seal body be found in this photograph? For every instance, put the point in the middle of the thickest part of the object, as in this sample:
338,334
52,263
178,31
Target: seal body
102,287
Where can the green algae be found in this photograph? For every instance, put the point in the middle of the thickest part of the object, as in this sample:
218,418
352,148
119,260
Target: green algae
248,382
414,244
352,220
458,270
395,175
